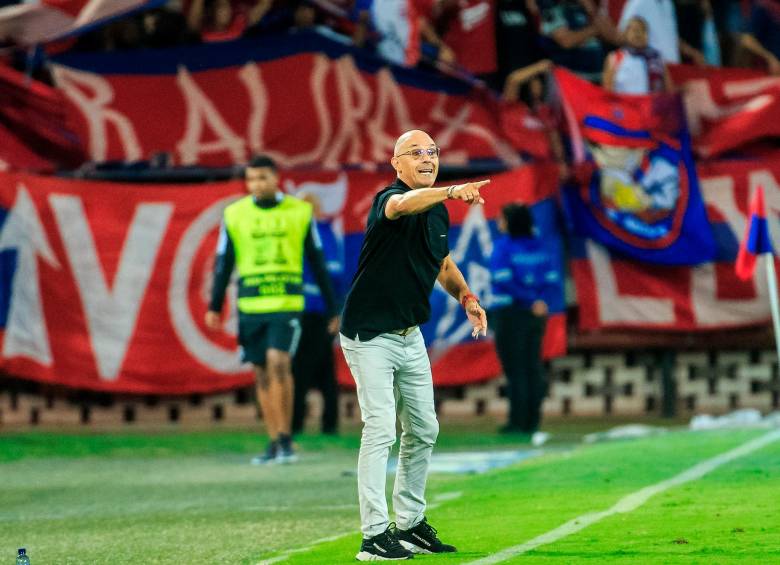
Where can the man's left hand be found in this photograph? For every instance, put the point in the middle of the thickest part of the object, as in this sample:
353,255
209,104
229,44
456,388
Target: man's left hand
477,317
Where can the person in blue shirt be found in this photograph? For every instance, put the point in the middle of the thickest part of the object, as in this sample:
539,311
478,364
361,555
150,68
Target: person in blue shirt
522,271
313,365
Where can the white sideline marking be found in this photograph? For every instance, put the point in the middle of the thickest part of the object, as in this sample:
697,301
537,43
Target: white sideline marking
438,500
632,501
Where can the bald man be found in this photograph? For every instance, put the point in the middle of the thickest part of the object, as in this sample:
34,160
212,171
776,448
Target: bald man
404,253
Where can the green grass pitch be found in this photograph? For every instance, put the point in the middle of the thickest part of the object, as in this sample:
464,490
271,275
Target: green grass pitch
192,497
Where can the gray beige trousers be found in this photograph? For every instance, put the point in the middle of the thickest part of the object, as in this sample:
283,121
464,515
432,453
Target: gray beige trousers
393,376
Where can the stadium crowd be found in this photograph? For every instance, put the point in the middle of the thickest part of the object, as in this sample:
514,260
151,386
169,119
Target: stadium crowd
506,43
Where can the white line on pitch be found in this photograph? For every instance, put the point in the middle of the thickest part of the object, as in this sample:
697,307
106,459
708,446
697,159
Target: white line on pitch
632,501
438,500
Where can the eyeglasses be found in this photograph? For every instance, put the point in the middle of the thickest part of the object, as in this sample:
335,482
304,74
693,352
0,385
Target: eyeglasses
418,153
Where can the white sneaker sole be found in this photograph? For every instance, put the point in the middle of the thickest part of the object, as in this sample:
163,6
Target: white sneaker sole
409,546
366,556
261,462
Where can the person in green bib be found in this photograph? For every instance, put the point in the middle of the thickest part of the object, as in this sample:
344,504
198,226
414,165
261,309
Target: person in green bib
265,237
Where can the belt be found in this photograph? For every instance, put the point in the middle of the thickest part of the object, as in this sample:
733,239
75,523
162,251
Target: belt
404,332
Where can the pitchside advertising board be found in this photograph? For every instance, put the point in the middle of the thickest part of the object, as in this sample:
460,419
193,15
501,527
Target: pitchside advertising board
104,286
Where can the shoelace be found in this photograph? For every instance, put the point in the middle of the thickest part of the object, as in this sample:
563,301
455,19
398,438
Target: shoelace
389,539
428,530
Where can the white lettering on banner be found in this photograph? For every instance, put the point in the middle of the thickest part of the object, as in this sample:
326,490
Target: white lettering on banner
767,180
26,334
389,98
372,111
111,312
700,105
617,308
475,225
353,113
97,113
217,358
750,87
709,310
252,79
201,112
459,124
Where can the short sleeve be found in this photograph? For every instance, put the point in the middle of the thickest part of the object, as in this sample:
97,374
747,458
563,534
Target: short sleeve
381,202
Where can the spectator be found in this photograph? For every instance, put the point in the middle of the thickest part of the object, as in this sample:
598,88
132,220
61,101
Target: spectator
401,26
636,68
221,20
471,35
661,21
163,27
530,85
521,269
313,364
574,32
697,28
517,37
763,37
350,18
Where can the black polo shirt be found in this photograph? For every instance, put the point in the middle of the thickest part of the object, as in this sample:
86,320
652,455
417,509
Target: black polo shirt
399,262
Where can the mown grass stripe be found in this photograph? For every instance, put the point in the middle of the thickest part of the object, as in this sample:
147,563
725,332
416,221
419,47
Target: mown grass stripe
631,501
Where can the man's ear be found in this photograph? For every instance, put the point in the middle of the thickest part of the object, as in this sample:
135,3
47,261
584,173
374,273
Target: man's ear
394,163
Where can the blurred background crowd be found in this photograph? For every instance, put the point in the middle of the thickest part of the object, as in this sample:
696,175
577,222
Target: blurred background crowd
502,42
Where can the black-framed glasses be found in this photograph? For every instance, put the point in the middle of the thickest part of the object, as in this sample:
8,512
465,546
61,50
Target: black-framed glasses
419,152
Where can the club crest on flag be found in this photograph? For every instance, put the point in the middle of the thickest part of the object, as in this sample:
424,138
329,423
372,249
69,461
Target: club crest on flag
636,188
636,191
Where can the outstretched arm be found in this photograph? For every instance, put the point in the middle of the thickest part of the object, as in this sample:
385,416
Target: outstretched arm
451,279
423,199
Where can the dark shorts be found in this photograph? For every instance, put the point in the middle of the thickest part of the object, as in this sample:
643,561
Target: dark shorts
257,333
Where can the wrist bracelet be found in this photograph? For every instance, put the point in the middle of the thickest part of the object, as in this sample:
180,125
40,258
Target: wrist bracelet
450,190
468,297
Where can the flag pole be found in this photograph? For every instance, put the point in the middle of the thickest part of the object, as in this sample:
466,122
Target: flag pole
771,275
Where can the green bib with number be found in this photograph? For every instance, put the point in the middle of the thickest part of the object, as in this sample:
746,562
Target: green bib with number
269,244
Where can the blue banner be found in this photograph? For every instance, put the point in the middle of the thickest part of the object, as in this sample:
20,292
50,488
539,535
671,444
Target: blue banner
637,190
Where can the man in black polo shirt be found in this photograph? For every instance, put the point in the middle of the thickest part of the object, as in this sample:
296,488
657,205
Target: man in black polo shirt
404,252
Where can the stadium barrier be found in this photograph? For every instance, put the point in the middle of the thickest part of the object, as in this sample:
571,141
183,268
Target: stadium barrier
598,385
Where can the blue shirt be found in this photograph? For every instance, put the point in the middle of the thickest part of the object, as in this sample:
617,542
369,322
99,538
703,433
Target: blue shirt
333,251
521,270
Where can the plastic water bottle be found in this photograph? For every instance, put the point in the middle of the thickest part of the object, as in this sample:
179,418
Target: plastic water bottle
22,558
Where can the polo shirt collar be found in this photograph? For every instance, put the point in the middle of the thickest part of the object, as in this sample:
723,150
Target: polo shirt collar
401,184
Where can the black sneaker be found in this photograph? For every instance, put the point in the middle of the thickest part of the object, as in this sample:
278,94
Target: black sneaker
286,453
423,539
269,456
383,547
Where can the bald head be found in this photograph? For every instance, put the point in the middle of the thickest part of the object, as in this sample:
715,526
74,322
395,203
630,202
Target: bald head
410,139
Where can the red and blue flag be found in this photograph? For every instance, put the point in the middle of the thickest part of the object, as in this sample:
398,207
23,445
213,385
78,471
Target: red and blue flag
756,241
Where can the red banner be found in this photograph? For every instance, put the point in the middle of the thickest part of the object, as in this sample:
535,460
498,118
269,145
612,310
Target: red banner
34,132
302,99
104,286
616,293
728,108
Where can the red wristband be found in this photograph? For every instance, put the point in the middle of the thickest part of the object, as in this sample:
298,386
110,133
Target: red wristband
468,297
